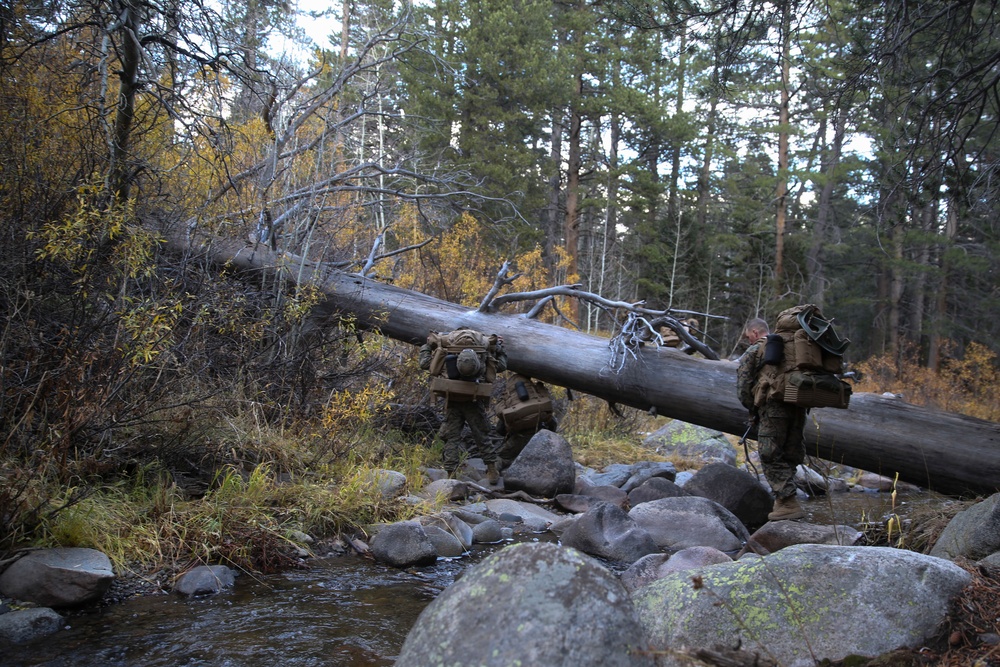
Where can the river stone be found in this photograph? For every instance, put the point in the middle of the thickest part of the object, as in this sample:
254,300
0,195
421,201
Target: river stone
63,577
25,625
605,530
683,477
449,489
487,532
388,484
205,580
543,468
611,494
973,533
649,568
576,503
533,516
681,439
690,521
776,535
643,471
585,496
737,490
875,482
810,481
529,604
450,523
991,562
403,544
614,474
803,604
445,543
654,489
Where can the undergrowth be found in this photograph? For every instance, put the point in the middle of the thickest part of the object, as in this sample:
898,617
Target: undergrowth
249,520
966,383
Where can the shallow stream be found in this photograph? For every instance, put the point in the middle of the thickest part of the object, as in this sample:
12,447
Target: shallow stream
342,611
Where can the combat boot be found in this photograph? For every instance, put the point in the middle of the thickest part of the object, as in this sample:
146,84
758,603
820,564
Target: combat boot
787,509
492,474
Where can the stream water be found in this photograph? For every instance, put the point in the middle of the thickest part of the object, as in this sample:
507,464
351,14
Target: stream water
341,611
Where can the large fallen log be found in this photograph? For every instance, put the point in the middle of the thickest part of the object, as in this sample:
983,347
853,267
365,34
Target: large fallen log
945,452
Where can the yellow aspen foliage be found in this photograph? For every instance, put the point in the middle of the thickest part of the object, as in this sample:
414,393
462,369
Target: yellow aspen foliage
967,384
462,266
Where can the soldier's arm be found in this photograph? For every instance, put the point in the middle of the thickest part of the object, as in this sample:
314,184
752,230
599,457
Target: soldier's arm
500,354
425,355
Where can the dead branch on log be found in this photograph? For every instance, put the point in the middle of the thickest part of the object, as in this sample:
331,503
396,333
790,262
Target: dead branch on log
641,325
502,280
514,495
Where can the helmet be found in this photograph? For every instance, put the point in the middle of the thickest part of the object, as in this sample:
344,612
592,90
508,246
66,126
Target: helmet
468,364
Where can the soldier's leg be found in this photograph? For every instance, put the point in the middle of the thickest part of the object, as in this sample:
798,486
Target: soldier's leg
773,433
475,416
795,447
513,444
451,435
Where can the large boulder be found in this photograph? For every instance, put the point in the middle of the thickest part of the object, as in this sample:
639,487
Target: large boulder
605,530
690,521
973,533
529,604
737,490
403,544
543,468
679,439
63,577
804,604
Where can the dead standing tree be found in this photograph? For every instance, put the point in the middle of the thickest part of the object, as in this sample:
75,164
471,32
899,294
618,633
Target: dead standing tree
950,453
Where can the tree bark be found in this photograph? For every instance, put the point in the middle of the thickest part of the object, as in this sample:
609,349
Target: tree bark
949,453
571,227
783,130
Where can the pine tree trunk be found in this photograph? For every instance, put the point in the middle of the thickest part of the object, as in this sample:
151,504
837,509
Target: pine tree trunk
783,129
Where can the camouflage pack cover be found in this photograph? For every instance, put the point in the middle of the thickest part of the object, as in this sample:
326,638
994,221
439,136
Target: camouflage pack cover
807,374
462,388
525,405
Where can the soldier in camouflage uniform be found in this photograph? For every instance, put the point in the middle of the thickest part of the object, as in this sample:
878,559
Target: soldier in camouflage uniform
473,413
780,427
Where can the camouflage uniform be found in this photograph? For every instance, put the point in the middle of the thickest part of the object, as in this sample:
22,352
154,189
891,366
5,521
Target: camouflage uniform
459,413
780,427
514,441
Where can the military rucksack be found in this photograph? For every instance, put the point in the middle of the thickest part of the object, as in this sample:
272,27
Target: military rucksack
800,361
445,378
525,405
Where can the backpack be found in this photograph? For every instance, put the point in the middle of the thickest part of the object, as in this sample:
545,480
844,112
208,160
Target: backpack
800,361
525,405
445,380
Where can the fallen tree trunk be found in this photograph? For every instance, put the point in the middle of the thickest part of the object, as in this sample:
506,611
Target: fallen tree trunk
946,452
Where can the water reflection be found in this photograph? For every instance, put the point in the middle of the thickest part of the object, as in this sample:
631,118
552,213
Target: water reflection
341,611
